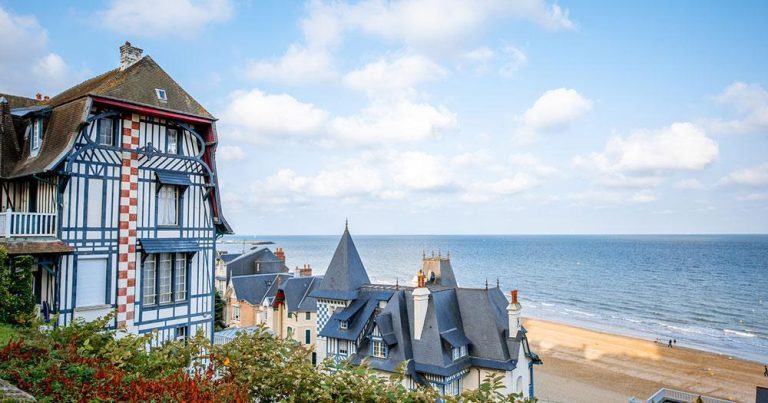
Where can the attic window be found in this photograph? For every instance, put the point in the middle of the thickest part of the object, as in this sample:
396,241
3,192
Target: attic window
161,95
343,324
37,135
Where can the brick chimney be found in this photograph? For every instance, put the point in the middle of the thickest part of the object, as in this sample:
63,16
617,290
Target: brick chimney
513,311
420,305
129,55
305,271
280,254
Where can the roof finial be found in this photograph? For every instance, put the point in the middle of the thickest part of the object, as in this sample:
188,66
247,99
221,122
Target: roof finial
486,283
346,224
423,254
397,283
497,282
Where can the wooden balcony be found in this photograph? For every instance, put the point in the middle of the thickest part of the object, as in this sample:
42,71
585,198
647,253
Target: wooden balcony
27,225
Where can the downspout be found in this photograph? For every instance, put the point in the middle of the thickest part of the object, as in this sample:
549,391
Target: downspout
530,385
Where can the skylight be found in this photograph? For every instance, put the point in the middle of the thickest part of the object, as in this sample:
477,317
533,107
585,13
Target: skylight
161,95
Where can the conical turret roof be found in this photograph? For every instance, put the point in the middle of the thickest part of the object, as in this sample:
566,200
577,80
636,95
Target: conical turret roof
345,274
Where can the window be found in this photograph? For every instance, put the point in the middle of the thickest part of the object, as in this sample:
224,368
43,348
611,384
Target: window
289,332
106,132
150,281
180,284
173,141
343,324
91,282
181,333
453,388
459,352
378,348
343,347
307,336
37,135
162,96
164,278
235,312
164,270
308,315
168,205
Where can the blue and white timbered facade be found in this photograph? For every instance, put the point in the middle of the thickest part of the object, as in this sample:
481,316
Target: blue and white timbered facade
128,177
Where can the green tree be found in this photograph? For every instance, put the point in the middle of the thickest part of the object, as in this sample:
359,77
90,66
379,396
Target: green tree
219,305
17,300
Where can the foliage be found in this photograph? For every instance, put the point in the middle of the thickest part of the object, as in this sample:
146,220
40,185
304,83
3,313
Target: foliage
17,301
7,332
219,305
86,362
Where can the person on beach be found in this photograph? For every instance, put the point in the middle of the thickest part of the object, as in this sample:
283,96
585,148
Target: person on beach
674,341
670,343
765,373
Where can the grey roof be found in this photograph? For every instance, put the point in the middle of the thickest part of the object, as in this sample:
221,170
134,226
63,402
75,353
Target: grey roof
455,317
246,263
296,291
229,257
439,271
345,274
254,288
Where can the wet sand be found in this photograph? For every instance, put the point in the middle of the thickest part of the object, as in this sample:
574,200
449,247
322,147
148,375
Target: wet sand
588,366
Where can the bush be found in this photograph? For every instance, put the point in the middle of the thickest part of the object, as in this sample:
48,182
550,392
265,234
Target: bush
17,301
84,362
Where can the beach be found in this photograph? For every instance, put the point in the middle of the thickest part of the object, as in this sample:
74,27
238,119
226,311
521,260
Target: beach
582,365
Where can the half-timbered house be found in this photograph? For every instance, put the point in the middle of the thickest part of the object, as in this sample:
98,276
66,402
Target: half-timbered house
111,186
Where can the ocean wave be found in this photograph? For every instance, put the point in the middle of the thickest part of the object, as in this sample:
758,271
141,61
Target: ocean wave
738,333
547,304
579,312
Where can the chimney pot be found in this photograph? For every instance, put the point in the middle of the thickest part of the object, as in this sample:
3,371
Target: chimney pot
514,296
39,96
46,98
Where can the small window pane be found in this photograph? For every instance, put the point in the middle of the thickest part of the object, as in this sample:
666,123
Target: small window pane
37,134
150,278
181,277
173,140
164,267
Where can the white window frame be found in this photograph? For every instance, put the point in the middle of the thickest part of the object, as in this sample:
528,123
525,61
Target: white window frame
343,324
168,194
149,274
172,146
307,315
236,312
165,278
36,139
180,277
162,95
100,133
378,348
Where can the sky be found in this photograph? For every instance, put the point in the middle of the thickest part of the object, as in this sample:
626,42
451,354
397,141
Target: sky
447,116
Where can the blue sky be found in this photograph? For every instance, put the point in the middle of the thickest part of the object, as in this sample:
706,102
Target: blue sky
447,117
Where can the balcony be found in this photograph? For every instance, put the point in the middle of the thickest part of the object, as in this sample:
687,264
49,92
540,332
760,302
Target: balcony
27,225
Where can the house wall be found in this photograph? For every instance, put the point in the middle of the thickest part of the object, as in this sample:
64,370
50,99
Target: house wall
299,324
95,203
325,308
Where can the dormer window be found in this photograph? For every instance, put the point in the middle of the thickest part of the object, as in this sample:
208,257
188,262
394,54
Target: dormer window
161,95
459,352
106,129
36,139
173,141
343,324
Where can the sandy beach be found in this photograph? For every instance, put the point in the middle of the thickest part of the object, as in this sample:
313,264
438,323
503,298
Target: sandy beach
588,366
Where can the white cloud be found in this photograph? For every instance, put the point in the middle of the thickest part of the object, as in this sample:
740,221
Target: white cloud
679,147
27,66
689,184
533,164
420,171
620,180
254,115
752,176
151,18
481,54
603,198
393,77
553,111
486,191
298,65
393,122
515,59
230,153
751,101
418,24
754,197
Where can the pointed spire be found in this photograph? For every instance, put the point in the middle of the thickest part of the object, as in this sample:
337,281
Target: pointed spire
486,283
346,272
346,224
497,282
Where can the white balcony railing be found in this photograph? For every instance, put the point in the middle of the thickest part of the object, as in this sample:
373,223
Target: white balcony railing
14,224
671,395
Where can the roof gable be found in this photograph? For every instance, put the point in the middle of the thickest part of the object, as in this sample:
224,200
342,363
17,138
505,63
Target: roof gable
137,84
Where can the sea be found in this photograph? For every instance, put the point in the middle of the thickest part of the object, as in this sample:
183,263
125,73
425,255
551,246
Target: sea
709,292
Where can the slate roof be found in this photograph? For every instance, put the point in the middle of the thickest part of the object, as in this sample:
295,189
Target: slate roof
345,274
255,288
455,317
297,291
357,315
229,257
244,264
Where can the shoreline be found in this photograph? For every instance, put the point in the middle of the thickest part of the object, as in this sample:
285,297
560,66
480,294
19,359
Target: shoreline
583,365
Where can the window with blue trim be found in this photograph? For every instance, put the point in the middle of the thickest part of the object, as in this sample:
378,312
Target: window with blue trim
36,139
168,205
172,141
379,349
307,336
164,278
459,352
107,130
